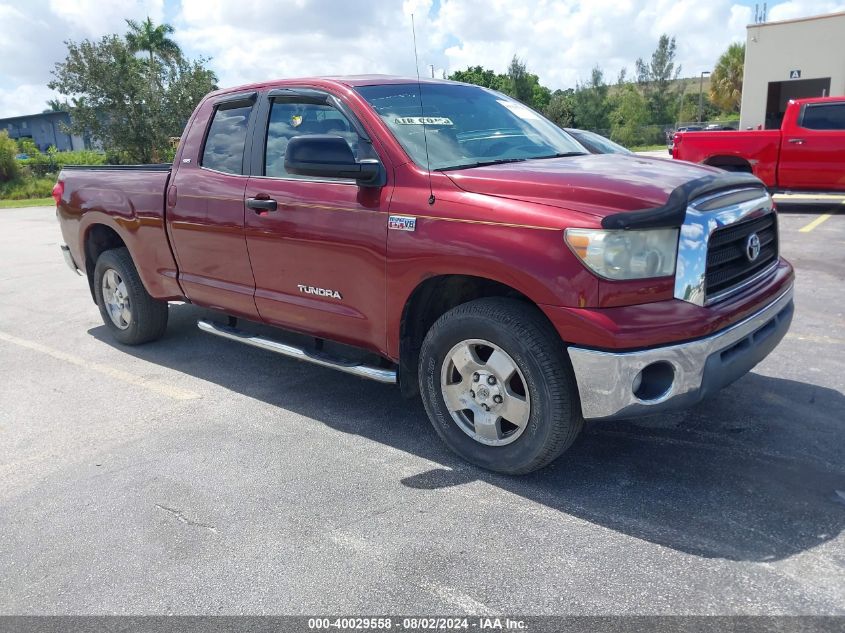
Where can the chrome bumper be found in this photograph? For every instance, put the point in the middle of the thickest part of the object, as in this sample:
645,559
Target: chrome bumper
629,384
69,259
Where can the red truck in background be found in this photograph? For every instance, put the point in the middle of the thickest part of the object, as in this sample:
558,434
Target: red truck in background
448,238
806,154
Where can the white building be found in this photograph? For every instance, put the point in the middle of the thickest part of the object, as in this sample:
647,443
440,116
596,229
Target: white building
789,60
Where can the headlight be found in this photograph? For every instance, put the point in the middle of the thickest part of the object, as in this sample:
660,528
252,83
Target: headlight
622,255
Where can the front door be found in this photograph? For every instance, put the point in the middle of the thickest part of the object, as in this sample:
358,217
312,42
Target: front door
812,156
318,257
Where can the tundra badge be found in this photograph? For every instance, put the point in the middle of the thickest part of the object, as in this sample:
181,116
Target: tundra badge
320,292
401,223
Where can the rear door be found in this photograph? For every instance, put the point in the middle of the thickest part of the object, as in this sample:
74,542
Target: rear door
318,258
813,152
205,209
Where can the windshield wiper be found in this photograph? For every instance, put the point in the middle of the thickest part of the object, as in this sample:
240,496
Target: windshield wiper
563,155
482,163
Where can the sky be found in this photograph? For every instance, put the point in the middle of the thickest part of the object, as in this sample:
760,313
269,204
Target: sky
251,40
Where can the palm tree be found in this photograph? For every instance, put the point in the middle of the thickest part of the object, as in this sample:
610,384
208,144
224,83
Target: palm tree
726,80
154,40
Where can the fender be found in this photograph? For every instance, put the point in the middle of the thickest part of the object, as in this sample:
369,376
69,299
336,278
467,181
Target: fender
134,214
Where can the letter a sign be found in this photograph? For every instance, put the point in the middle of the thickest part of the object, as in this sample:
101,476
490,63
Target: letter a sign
795,74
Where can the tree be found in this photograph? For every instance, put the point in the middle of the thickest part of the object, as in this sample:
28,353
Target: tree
116,101
726,79
688,109
56,105
480,77
520,86
153,40
629,116
9,168
656,79
518,83
561,108
591,107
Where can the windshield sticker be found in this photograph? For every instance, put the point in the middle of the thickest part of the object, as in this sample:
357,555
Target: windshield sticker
423,120
520,110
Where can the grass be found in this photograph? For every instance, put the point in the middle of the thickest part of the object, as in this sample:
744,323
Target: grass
31,202
648,148
25,187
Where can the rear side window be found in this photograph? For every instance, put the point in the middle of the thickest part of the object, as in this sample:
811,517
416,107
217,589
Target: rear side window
224,145
824,116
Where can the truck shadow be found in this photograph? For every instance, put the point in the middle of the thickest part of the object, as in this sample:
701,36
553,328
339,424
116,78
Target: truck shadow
755,474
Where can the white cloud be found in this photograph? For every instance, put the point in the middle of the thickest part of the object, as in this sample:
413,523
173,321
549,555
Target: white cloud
802,8
24,99
32,36
251,40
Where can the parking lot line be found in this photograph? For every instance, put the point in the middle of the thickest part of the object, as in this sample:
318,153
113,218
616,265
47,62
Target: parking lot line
819,220
152,385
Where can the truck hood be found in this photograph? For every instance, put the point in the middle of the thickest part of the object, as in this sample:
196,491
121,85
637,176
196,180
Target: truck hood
598,184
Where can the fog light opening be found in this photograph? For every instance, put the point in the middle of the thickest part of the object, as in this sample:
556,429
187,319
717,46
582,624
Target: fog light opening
654,381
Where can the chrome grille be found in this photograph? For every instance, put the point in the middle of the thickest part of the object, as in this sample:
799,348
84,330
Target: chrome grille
711,261
728,266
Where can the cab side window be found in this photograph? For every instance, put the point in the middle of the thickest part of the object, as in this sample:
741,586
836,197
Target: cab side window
224,145
289,119
824,116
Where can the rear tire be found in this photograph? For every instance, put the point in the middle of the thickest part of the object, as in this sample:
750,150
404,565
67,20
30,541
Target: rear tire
129,312
498,387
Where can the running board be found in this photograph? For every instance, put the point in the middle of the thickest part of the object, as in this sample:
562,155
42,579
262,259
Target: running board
364,371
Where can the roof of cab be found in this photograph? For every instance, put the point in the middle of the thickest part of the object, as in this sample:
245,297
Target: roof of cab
350,81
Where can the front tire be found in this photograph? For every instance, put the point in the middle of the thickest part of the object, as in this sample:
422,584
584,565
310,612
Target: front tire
129,312
498,387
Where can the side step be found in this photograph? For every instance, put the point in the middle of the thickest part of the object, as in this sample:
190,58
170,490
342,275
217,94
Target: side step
364,371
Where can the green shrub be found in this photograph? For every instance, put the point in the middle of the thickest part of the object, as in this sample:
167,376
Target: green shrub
27,146
9,167
23,188
52,161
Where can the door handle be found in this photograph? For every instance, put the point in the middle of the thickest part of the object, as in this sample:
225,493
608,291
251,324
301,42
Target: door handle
797,141
261,205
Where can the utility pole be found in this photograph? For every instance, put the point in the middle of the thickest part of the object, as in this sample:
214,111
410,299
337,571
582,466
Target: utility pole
701,93
432,70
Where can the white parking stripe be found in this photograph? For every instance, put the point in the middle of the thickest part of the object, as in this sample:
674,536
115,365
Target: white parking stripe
152,385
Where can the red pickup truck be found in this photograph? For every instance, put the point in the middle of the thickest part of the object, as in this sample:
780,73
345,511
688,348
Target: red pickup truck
448,238
806,154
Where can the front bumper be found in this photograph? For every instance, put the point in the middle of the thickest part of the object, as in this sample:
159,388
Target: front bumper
629,384
69,259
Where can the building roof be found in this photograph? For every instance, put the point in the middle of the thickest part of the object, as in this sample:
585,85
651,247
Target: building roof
792,20
37,115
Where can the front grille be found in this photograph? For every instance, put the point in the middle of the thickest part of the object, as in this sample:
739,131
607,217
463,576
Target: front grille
727,264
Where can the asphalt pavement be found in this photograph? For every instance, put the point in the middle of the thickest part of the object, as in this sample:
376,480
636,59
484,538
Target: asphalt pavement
194,475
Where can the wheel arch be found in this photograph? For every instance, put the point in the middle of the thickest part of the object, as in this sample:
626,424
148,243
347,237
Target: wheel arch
729,163
428,301
98,238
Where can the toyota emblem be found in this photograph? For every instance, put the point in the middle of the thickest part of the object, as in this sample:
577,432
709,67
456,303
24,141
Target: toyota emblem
752,247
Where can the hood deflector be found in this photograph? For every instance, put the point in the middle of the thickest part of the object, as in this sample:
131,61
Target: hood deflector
672,213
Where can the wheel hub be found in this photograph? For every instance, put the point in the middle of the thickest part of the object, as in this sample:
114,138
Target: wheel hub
488,393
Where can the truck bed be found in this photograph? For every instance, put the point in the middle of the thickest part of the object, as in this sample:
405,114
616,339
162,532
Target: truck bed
129,199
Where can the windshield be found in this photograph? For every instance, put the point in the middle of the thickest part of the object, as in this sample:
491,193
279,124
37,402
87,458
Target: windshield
597,143
466,126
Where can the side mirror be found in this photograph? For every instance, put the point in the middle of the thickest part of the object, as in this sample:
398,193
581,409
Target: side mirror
328,156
